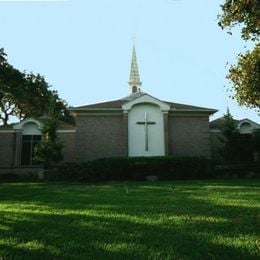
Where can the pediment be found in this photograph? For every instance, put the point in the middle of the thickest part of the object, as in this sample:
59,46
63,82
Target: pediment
146,99
250,122
247,126
22,124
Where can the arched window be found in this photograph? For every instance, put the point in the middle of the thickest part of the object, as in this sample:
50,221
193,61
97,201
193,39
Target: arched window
31,136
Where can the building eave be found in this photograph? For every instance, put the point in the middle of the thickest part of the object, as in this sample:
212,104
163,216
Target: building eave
191,111
94,109
7,131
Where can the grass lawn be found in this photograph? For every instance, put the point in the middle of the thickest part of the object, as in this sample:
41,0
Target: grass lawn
217,219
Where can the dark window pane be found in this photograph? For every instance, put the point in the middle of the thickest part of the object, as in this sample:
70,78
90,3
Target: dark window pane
28,144
26,153
37,138
27,138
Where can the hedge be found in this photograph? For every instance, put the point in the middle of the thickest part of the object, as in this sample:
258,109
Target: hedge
134,168
238,170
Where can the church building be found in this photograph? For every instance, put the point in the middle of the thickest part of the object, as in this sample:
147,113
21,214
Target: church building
136,125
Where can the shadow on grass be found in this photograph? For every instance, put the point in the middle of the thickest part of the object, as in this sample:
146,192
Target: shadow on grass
159,221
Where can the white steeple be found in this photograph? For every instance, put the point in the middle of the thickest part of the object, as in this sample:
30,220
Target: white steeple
134,80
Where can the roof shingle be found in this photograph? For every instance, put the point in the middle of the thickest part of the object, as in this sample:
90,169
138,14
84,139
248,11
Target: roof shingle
117,104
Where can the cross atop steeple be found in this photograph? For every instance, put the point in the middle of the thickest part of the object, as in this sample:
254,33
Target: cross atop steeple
134,80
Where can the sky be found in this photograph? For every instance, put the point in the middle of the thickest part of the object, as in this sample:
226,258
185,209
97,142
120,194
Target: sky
83,48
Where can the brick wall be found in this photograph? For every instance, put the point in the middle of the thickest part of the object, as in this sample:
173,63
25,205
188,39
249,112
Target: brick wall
100,136
7,148
189,136
68,140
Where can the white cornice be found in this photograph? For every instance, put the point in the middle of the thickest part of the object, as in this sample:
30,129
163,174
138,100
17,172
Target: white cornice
248,121
95,109
146,99
66,131
20,125
7,131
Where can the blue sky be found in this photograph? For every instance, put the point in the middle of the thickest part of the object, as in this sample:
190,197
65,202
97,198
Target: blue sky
83,48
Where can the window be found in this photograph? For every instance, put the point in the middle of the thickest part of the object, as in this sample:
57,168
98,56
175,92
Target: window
28,144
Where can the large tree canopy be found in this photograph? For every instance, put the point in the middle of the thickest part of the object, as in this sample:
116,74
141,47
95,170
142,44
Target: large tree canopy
25,94
244,75
242,12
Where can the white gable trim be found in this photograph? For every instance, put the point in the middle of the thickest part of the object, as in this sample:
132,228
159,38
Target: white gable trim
246,126
253,124
19,126
144,99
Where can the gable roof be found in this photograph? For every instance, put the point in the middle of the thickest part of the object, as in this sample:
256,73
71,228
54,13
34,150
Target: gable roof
62,126
117,105
219,123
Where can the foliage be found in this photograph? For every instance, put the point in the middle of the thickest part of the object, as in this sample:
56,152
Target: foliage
256,140
135,168
11,80
11,177
216,219
25,94
241,12
238,170
229,126
49,150
48,153
244,76
236,147
230,139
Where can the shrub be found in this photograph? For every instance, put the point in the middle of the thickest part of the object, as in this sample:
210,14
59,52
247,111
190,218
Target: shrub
8,177
12,177
241,170
135,168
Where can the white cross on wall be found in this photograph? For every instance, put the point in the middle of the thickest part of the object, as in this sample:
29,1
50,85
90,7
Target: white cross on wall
146,123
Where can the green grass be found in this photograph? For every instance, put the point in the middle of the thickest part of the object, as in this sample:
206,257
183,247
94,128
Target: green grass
161,220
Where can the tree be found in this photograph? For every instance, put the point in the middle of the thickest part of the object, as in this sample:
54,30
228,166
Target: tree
236,147
11,80
244,76
229,138
49,150
26,94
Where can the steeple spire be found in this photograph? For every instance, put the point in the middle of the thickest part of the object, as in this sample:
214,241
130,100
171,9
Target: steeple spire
134,80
